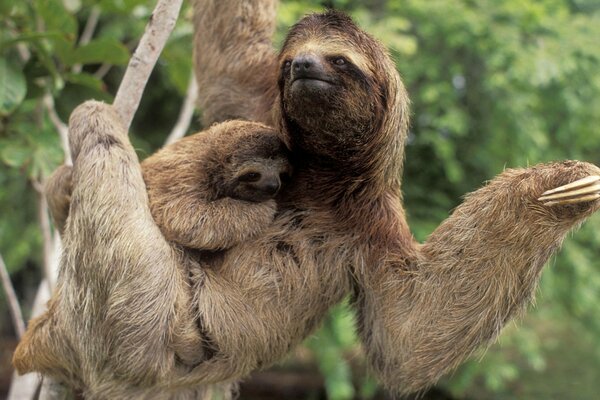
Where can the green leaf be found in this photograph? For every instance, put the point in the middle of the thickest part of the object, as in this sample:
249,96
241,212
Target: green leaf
178,62
15,155
29,37
46,60
103,50
56,18
12,87
84,79
121,6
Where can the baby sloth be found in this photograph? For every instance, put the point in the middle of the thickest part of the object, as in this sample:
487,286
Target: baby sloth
207,191
216,188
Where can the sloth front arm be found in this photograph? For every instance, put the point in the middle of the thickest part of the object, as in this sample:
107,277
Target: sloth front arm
234,61
420,316
121,311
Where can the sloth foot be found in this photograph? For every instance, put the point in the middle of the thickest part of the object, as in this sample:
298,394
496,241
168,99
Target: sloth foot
580,191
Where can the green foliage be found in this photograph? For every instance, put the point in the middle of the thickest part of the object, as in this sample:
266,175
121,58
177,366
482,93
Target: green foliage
12,82
328,346
493,84
41,54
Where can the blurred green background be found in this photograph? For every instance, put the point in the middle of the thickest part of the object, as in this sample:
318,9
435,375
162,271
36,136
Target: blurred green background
493,83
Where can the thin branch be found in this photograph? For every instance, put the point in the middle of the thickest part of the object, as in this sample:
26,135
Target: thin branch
60,126
13,302
88,32
102,71
90,26
187,112
24,387
162,22
44,219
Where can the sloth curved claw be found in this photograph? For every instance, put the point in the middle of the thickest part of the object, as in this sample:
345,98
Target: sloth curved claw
582,190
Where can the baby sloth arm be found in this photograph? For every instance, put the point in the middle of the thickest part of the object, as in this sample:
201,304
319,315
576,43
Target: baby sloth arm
214,189
58,195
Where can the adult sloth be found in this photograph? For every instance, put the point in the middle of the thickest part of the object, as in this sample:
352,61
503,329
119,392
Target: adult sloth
128,324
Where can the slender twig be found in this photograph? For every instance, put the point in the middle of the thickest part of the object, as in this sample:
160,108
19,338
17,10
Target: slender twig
44,219
90,26
186,113
24,387
88,32
102,71
144,58
13,302
60,126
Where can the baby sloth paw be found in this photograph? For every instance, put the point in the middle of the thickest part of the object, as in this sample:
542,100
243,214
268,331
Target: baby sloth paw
581,191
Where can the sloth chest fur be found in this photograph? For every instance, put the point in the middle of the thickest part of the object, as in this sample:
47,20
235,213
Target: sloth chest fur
269,294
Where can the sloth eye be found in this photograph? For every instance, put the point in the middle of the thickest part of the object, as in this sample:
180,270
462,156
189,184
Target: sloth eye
287,64
339,61
249,177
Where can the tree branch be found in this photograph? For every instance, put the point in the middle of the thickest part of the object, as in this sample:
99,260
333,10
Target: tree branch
60,126
144,58
44,221
102,70
24,387
187,112
13,302
88,32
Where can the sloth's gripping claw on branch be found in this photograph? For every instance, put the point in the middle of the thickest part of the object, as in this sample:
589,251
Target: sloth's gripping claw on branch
582,190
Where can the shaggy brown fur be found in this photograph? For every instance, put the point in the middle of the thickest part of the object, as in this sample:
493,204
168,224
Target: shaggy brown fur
340,229
238,87
207,191
58,194
215,189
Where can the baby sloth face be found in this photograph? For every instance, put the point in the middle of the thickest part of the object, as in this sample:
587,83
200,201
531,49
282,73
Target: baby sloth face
259,179
256,168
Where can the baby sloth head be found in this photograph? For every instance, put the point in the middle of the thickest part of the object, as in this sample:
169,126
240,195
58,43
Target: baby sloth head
258,179
256,167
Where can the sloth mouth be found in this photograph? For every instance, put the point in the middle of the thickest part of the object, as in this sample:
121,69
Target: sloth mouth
306,84
312,78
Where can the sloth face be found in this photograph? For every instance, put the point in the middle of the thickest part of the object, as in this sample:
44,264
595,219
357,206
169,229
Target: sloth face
257,169
331,98
259,180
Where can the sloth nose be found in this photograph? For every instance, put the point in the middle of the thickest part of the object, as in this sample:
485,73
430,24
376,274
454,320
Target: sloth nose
304,63
309,66
271,186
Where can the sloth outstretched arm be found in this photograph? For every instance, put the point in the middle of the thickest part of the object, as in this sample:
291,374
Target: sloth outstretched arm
424,313
234,59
